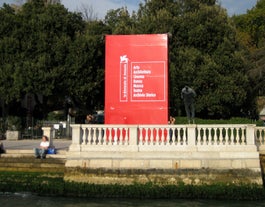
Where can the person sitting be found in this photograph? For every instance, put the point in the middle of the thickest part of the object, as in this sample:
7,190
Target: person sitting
41,151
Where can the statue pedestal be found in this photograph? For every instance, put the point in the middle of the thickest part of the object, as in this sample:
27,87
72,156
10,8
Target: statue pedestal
12,135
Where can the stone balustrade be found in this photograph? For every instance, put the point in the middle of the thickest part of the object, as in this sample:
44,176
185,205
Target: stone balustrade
260,139
166,136
205,150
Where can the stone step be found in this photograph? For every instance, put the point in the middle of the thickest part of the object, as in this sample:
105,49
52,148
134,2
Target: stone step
17,155
24,151
31,164
60,154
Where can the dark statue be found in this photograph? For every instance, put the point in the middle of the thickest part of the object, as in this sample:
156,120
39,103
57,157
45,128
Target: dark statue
188,95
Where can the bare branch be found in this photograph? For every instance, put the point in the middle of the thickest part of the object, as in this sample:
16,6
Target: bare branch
88,12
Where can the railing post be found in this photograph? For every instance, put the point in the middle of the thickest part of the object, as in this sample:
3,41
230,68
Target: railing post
48,131
134,135
191,135
76,134
250,134
76,138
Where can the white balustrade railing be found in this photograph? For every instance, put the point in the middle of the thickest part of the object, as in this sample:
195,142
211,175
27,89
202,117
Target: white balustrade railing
105,134
260,138
162,134
167,135
221,134
260,135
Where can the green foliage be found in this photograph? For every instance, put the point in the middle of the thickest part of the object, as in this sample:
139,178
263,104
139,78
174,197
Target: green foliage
233,120
14,123
204,54
55,116
53,184
251,28
47,50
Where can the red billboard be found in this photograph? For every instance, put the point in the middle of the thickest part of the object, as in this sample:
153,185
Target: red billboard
136,79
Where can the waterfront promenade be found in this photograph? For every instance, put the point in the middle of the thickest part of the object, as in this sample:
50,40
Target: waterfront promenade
29,144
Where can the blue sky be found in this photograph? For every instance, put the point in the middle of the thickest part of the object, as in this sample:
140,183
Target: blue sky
100,7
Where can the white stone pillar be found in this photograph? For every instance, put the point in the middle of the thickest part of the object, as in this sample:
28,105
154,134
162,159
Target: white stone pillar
191,135
134,135
76,138
250,134
48,131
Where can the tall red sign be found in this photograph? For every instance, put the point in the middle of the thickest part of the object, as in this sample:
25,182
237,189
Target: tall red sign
136,79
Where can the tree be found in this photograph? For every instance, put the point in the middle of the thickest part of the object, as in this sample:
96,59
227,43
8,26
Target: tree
119,21
35,51
9,47
85,62
251,27
204,54
88,12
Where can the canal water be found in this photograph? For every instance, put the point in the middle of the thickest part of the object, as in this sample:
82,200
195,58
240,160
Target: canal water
29,200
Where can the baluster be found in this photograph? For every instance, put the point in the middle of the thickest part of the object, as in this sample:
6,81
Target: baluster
154,136
181,135
148,136
96,136
215,135
101,136
114,136
258,136
118,133
123,135
206,138
240,136
128,138
218,134
235,136
83,136
227,136
210,137
165,134
170,135
244,136
185,135
262,137
143,135
202,133
107,140
176,133
231,136
160,135
140,136
92,133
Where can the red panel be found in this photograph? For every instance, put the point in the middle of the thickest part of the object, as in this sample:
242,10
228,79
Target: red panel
136,79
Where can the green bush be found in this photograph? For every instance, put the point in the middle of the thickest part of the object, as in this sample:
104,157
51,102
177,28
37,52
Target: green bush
55,116
234,120
14,123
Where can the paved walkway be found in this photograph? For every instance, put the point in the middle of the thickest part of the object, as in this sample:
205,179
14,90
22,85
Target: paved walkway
28,144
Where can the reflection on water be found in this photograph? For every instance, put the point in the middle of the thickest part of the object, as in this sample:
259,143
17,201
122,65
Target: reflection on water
29,200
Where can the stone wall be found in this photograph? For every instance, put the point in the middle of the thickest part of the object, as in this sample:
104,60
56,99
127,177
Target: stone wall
163,177
184,153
